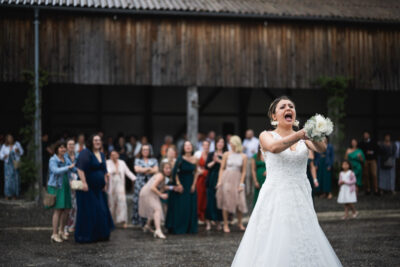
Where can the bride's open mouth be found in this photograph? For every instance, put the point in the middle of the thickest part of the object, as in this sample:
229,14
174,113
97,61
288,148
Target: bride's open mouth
289,117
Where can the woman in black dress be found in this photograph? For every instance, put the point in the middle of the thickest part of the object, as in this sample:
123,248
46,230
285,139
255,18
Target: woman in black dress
93,221
213,214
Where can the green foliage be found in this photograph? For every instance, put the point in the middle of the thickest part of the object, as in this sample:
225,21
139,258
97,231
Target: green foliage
337,91
28,168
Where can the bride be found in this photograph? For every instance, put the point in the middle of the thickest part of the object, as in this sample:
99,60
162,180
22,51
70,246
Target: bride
283,229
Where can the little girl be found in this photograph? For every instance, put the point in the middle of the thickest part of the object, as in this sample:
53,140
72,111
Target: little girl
347,193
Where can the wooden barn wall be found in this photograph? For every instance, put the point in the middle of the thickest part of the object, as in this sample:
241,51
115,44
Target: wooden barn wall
157,51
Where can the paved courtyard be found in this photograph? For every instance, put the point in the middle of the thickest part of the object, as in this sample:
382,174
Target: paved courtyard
373,239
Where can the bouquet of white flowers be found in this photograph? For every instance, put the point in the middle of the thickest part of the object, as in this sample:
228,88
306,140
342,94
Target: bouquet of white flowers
318,127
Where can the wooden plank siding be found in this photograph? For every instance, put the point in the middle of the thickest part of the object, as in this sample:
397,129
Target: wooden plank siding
163,51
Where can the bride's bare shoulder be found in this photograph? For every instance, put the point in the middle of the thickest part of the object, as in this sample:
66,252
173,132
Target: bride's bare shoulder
265,134
265,139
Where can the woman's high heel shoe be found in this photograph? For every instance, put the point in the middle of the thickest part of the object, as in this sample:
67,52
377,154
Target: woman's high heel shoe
63,236
159,234
56,239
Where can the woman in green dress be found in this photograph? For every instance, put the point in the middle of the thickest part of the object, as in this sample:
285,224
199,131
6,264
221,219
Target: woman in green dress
356,158
182,204
58,185
259,173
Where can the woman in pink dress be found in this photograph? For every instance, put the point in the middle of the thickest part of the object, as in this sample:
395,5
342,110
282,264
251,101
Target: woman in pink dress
230,187
117,170
150,206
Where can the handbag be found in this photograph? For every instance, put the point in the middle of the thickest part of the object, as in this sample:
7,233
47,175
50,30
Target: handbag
389,162
49,200
16,164
76,185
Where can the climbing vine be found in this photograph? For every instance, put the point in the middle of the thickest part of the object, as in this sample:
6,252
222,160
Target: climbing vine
28,169
337,92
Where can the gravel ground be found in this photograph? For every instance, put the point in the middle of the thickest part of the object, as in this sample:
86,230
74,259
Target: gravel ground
373,240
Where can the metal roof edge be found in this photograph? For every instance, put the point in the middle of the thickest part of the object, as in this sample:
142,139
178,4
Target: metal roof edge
204,14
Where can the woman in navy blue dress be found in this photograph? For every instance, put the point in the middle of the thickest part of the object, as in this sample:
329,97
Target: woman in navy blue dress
93,221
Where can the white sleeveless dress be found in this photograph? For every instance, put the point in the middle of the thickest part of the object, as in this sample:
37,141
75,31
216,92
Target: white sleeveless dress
283,229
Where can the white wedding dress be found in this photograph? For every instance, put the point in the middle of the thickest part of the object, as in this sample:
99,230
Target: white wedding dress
283,229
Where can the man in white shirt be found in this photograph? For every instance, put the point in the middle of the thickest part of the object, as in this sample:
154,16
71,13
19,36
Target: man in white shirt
211,139
228,145
200,138
250,144
250,147
80,144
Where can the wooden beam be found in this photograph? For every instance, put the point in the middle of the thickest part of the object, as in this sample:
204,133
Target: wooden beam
99,108
202,106
148,116
206,102
243,99
269,94
375,124
192,119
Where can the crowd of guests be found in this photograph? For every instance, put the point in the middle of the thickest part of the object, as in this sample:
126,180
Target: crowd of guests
184,185
374,164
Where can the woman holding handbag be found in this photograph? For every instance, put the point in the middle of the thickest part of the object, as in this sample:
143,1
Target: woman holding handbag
387,166
58,186
11,152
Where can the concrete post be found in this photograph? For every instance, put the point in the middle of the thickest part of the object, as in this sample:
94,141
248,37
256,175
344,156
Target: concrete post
192,116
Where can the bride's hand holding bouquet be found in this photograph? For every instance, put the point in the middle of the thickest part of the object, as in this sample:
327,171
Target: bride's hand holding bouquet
315,131
317,128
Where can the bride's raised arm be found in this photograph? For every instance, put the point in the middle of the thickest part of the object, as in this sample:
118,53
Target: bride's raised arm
319,147
268,143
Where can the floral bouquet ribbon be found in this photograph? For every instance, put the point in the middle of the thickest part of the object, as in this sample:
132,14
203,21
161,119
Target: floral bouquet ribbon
318,127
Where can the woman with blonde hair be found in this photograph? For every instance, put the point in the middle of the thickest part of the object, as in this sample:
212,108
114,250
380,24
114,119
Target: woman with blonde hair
230,187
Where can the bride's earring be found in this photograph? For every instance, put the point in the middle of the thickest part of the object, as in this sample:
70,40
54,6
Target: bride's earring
296,123
274,123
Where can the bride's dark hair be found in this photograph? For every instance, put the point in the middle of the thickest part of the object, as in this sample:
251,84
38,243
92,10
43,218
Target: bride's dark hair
274,103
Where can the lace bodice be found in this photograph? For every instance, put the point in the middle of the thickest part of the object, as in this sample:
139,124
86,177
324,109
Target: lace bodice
234,161
287,165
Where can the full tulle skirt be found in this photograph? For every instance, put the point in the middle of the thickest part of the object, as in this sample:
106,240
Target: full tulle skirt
283,229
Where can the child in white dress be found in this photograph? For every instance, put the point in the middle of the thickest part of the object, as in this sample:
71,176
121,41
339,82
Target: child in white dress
347,193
